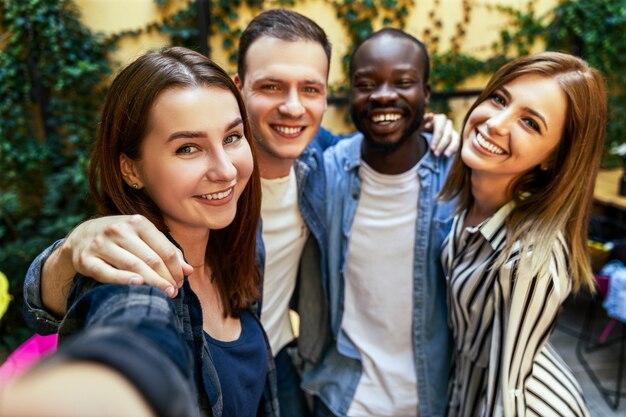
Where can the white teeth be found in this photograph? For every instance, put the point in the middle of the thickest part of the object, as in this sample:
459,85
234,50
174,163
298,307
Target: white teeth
488,145
217,196
386,117
288,130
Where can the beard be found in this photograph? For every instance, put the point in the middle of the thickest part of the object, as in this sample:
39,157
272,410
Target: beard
386,148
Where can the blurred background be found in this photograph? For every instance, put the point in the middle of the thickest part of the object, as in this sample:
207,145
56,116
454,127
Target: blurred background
57,58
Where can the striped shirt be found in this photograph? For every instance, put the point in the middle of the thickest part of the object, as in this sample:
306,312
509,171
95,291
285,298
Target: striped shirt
501,321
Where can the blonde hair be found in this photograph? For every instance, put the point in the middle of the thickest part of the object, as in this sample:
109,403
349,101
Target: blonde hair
559,199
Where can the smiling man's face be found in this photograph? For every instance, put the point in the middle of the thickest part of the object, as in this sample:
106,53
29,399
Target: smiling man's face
389,93
284,89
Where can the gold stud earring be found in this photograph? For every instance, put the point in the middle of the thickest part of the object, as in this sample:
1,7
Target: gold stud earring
135,186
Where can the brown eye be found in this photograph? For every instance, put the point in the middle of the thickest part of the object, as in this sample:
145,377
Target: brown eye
498,99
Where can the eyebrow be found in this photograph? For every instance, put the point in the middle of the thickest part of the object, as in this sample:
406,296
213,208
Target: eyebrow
194,134
527,109
279,81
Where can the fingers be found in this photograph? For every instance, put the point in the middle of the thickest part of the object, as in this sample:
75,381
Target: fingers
439,140
128,249
445,139
455,140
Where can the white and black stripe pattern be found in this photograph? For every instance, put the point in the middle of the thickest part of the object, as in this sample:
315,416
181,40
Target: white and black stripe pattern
501,319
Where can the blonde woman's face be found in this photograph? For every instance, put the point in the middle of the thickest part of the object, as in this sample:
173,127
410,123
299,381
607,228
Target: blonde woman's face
516,129
195,160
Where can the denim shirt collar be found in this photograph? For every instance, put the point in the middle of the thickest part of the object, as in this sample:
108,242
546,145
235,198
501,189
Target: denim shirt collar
353,155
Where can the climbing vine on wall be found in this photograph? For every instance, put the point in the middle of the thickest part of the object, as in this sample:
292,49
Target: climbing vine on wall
52,72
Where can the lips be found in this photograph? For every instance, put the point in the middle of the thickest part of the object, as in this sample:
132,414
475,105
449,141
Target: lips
385,118
219,195
288,131
487,146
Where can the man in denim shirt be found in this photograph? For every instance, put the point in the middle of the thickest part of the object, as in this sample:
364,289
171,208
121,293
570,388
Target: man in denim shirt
390,349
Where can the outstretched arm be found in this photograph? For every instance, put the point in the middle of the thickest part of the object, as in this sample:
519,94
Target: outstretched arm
115,340
44,392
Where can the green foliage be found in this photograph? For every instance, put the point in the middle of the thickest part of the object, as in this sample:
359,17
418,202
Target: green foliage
52,70
594,30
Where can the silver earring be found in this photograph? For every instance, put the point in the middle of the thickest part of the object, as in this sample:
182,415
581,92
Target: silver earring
135,186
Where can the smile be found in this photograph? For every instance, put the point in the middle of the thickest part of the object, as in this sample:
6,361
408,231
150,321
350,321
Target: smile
385,118
488,146
218,196
288,130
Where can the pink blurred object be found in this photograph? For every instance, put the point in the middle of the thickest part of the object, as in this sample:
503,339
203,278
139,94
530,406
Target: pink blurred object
26,355
602,284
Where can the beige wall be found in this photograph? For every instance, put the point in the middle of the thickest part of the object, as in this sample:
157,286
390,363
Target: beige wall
485,23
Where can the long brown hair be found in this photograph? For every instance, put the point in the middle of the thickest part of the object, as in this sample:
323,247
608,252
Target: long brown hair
230,251
559,199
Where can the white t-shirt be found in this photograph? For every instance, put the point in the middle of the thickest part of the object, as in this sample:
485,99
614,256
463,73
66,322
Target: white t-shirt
378,306
284,235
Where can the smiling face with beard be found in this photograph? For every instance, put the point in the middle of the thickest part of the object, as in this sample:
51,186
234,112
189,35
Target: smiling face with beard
389,91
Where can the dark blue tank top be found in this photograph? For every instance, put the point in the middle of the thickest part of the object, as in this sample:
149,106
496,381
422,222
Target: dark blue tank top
241,368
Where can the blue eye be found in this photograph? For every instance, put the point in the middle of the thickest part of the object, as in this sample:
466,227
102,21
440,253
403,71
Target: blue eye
232,138
186,149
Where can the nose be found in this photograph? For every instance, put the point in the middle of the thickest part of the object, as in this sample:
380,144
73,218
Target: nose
221,167
384,93
498,124
292,106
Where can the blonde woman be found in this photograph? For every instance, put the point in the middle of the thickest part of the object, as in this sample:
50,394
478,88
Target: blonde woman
531,147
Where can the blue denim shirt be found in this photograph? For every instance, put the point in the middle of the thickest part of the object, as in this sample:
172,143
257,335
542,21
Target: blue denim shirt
335,377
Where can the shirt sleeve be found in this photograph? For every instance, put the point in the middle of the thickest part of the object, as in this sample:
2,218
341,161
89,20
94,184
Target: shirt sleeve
530,316
133,330
36,316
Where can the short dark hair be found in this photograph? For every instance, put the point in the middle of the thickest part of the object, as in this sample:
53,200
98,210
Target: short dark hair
396,33
281,24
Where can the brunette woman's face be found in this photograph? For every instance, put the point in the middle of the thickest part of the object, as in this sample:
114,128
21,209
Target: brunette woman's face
195,160
516,129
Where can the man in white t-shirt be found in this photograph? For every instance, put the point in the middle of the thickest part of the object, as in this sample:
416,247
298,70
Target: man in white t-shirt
283,67
390,348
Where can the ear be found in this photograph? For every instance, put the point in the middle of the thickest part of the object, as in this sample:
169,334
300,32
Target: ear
426,94
130,171
549,162
238,82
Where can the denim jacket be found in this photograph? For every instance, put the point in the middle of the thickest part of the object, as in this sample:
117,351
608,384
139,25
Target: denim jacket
155,342
334,378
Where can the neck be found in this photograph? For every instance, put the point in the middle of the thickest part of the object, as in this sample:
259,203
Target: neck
490,193
271,167
399,160
194,244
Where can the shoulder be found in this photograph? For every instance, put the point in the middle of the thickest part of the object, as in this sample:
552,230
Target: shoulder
348,148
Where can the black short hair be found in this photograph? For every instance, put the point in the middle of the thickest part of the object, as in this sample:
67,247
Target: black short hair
281,24
396,33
